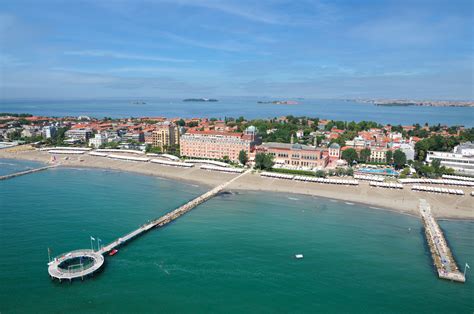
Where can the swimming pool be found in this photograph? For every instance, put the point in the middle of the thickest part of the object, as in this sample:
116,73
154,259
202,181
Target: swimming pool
384,172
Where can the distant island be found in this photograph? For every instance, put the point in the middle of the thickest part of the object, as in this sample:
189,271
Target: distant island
424,103
201,99
279,102
138,103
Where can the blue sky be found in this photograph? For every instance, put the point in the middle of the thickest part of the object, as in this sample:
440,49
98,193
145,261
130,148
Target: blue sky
183,48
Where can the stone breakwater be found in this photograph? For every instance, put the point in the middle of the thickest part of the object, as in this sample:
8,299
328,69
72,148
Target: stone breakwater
442,257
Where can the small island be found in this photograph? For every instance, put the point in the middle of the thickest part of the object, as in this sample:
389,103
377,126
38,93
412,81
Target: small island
200,99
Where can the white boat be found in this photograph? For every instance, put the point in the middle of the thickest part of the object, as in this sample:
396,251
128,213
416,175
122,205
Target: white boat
299,256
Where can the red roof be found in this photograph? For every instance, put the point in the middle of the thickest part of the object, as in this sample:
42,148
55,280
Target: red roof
191,131
334,129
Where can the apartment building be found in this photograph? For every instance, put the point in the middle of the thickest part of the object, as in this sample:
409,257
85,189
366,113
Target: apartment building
165,135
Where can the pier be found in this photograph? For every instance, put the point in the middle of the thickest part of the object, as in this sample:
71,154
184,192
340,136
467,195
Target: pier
442,257
22,173
57,269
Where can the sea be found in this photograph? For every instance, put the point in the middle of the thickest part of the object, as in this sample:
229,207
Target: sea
232,254
242,106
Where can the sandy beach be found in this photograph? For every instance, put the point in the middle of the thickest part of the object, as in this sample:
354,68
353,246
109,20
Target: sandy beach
403,201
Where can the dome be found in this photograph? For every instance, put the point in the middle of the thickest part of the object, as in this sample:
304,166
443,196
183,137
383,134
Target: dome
334,146
251,129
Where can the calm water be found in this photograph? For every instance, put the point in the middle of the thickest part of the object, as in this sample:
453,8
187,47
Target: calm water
8,166
235,107
233,254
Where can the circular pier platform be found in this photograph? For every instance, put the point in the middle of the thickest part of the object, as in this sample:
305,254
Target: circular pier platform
75,264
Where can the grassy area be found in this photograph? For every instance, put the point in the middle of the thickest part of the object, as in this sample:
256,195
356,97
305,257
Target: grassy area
297,172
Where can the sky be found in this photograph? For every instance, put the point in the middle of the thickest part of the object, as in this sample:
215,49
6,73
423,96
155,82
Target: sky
203,48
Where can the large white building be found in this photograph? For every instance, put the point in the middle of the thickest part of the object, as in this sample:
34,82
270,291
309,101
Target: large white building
461,160
82,134
98,140
408,149
465,149
49,131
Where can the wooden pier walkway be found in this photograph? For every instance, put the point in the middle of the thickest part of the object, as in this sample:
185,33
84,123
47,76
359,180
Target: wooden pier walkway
163,220
55,270
442,256
22,173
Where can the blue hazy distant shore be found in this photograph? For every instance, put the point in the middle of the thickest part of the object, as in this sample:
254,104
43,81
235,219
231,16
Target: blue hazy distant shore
233,254
243,106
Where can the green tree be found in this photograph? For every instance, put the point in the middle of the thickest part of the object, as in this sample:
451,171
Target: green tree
340,172
153,150
350,171
399,159
437,168
364,155
320,174
389,156
15,135
243,158
264,161
181,122
350,155
226,159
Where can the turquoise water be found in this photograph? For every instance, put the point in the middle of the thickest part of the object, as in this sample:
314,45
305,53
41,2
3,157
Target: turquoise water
8,166
242,106
389,172
233,254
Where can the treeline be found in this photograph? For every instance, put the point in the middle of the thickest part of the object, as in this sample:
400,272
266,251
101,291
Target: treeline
273,130
441,143
434,170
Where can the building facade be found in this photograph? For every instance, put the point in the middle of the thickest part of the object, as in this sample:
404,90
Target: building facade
217,145
49,131
135,136
378,154
459,162
165,135
98,140
82,134
334,151
295,155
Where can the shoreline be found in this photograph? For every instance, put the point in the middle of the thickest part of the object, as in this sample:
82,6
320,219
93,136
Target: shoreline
445,207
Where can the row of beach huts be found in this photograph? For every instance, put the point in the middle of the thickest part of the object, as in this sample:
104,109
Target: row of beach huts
162,159
424,188
308,178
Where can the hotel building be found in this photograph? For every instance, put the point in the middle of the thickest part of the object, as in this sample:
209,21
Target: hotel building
378,154
216,145
462,160
295,155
